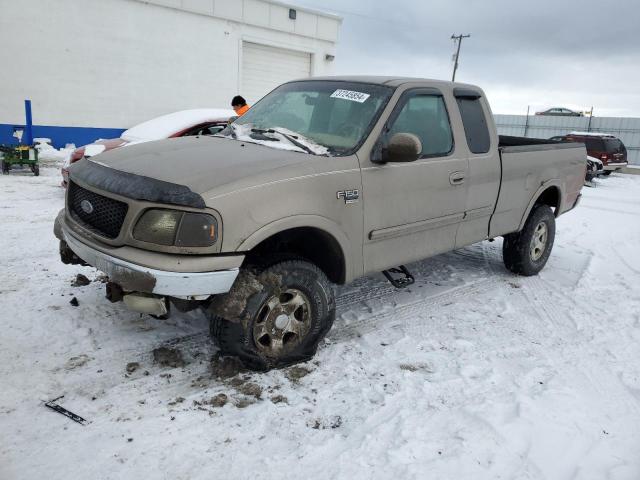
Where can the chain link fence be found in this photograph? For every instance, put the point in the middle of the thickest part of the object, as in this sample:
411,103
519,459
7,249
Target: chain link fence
545,126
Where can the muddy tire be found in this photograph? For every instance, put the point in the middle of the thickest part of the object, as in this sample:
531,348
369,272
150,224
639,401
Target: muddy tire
289,308
526,252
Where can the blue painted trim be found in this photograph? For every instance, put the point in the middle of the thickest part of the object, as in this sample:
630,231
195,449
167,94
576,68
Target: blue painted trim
27,139
60,136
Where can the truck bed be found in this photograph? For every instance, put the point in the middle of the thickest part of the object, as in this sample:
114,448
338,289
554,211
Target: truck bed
529,167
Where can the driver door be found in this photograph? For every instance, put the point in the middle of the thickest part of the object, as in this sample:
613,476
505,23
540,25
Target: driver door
412,210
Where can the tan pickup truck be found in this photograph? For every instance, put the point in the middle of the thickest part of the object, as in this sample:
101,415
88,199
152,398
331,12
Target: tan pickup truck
322,181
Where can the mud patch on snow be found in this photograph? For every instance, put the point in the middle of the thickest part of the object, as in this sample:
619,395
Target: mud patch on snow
296,373
226,367
249,389
219,400
80,281
132,367
168,357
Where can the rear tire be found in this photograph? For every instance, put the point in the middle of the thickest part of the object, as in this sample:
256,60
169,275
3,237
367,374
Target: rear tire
5,168
283,322
526,252
606,173
36,170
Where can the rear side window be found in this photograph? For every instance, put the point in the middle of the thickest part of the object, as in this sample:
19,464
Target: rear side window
426,117
594,144
613,145
475,124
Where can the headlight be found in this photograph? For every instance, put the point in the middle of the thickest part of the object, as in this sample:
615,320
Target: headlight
172,227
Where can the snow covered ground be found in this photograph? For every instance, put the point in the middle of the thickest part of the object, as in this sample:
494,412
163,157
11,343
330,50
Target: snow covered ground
472,373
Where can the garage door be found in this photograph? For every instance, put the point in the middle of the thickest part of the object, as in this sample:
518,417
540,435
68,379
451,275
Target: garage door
264,68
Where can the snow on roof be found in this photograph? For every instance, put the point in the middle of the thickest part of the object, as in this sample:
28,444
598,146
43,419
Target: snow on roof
593,134
172,123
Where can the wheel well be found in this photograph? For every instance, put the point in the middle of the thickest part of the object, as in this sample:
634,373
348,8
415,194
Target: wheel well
551,197
312,244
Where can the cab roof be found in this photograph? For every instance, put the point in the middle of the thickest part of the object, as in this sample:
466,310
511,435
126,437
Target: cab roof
386,80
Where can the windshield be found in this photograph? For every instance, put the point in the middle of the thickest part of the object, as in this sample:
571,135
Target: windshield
336,116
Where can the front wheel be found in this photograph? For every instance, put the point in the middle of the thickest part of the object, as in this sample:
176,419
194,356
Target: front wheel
526,252
288,308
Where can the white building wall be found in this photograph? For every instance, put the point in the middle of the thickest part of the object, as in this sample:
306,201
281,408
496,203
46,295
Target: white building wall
114,63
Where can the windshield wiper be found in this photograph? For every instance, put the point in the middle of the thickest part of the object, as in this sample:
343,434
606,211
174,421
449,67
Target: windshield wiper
259,134
293,139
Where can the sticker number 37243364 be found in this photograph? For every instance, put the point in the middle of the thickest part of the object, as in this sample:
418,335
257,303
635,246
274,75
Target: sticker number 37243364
350,95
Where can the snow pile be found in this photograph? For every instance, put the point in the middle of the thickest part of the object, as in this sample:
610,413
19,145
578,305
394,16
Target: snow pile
172,123
48,154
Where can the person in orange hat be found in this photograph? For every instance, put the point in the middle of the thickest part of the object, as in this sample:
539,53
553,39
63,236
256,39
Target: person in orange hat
239,105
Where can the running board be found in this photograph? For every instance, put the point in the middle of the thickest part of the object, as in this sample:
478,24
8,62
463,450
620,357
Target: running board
404,280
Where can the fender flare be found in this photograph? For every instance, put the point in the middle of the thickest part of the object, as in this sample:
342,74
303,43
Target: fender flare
544,187
300,221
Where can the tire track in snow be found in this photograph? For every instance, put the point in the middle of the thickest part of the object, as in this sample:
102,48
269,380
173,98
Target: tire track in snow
408,313
545,302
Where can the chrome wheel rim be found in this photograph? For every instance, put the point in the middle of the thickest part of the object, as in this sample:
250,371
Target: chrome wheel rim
539,241
282,322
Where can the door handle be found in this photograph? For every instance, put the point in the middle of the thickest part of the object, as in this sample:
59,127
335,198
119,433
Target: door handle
456,178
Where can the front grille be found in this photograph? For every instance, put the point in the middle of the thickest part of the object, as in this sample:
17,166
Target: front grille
102,215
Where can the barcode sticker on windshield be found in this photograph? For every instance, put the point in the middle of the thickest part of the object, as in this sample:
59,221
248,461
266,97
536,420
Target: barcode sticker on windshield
350,95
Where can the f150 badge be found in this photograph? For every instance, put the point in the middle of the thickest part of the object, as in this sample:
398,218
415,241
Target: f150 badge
349,196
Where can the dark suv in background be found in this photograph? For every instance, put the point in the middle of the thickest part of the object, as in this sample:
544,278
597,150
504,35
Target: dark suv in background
606,148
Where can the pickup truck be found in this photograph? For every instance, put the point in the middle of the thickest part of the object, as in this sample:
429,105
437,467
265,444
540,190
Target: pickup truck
323,181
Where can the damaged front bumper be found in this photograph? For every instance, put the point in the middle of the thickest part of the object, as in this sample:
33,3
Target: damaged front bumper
133,277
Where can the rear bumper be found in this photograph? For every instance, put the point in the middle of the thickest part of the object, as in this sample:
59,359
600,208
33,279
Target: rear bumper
133,277
615,166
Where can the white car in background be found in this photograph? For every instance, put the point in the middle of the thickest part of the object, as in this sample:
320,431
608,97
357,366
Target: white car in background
200,121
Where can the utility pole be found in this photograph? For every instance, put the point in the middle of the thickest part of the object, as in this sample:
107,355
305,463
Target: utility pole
458,40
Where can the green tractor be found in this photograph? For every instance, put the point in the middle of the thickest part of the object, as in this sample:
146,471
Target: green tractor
21,155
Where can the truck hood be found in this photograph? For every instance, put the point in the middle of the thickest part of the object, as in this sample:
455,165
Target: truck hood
205,163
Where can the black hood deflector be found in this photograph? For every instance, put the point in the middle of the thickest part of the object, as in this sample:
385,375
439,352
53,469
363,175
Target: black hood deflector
133,186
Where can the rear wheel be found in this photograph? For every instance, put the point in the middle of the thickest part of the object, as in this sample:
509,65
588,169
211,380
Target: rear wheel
283,320
35,169
5,168
526,252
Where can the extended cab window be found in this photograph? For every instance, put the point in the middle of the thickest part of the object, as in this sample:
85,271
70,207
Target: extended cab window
426,117
474,121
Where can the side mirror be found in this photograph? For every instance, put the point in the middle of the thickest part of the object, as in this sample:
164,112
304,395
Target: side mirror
402,147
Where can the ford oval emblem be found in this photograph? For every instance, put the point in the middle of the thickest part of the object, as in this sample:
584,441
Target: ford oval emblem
86,206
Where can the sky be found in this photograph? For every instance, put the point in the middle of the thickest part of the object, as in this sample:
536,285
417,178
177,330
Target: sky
543,53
